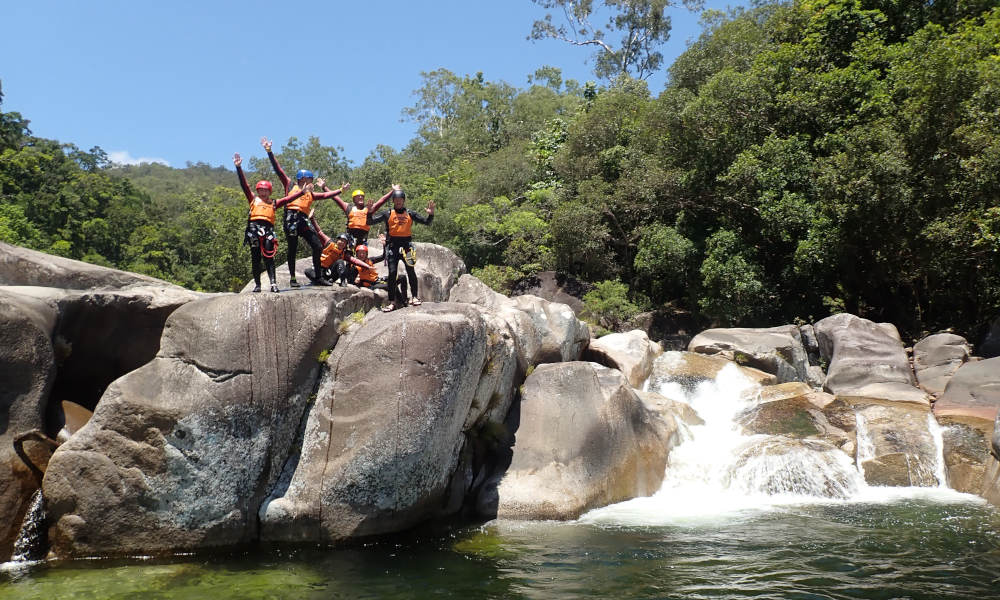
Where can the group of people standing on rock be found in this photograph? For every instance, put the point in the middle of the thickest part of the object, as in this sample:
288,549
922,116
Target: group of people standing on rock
345,258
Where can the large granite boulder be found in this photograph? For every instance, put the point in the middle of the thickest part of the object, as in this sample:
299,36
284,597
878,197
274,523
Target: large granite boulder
968,410
437,268
632,353
866,361
27,370
181,452
544,331
387,443
585,440
936,358
775,350
895,445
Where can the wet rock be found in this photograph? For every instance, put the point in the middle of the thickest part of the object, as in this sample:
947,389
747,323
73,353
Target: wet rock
936,358
690,369
387,442
181,452
793,410
894,444
779,465
866,361
585,441
775,350
632,353
682,412
27,370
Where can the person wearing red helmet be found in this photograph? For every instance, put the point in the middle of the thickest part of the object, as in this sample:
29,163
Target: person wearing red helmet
259,234
296,221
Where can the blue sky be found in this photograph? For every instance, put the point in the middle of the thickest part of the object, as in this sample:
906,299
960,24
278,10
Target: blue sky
178,81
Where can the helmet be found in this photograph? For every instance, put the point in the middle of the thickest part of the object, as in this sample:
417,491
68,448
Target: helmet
303,173
361,248
357,193
263,184
398,194
347,238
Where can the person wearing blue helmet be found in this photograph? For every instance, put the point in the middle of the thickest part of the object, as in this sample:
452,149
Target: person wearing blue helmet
296,222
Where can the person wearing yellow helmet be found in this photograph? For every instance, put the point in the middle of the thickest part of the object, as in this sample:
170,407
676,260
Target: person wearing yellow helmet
359,214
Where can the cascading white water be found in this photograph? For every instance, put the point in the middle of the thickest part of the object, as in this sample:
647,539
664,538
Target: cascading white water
866,447
720,471
30,542
937,433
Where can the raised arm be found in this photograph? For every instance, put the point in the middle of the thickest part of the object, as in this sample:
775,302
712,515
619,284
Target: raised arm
323,238
243,180
357,262
421,219
336,196
378,203
283,201
285,181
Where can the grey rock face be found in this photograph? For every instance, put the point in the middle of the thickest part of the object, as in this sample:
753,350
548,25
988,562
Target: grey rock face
27,370
545,331
775,350
866,361
585,440
24,267
936,358
181,452
385,444
631,352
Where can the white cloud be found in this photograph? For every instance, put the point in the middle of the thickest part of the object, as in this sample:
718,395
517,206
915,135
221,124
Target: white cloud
122,157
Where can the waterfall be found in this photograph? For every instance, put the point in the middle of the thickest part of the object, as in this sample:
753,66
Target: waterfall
937,433
718,471
31,541
865,445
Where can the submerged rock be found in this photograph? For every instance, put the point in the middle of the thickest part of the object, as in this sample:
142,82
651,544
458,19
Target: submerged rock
779,465
585,441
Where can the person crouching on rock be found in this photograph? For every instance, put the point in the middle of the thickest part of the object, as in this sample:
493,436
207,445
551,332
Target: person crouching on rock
399,222
296,222
259,232
368,277
336,261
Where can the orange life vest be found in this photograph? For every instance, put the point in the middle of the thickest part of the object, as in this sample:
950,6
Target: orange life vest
367,277
400,224
261,211
331,254
358,219
303,203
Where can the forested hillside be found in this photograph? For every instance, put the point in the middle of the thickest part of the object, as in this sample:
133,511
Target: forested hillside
805,158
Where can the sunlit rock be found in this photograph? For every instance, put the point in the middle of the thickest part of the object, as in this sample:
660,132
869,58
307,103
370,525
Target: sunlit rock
391,438
775,350
585,440
631,352
689,369
936,358
181,452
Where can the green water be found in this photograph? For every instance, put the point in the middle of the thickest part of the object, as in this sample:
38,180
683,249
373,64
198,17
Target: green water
906,549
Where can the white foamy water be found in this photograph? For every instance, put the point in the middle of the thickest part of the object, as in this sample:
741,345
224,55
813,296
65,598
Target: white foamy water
718,473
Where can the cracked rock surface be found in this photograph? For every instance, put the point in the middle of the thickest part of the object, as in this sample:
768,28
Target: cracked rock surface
181,452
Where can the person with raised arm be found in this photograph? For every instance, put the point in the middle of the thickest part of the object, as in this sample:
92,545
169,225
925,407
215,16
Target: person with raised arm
399,221
259,233
296,222
358,215
336,261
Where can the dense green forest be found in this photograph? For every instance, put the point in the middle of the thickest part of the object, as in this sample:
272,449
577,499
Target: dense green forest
805,158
